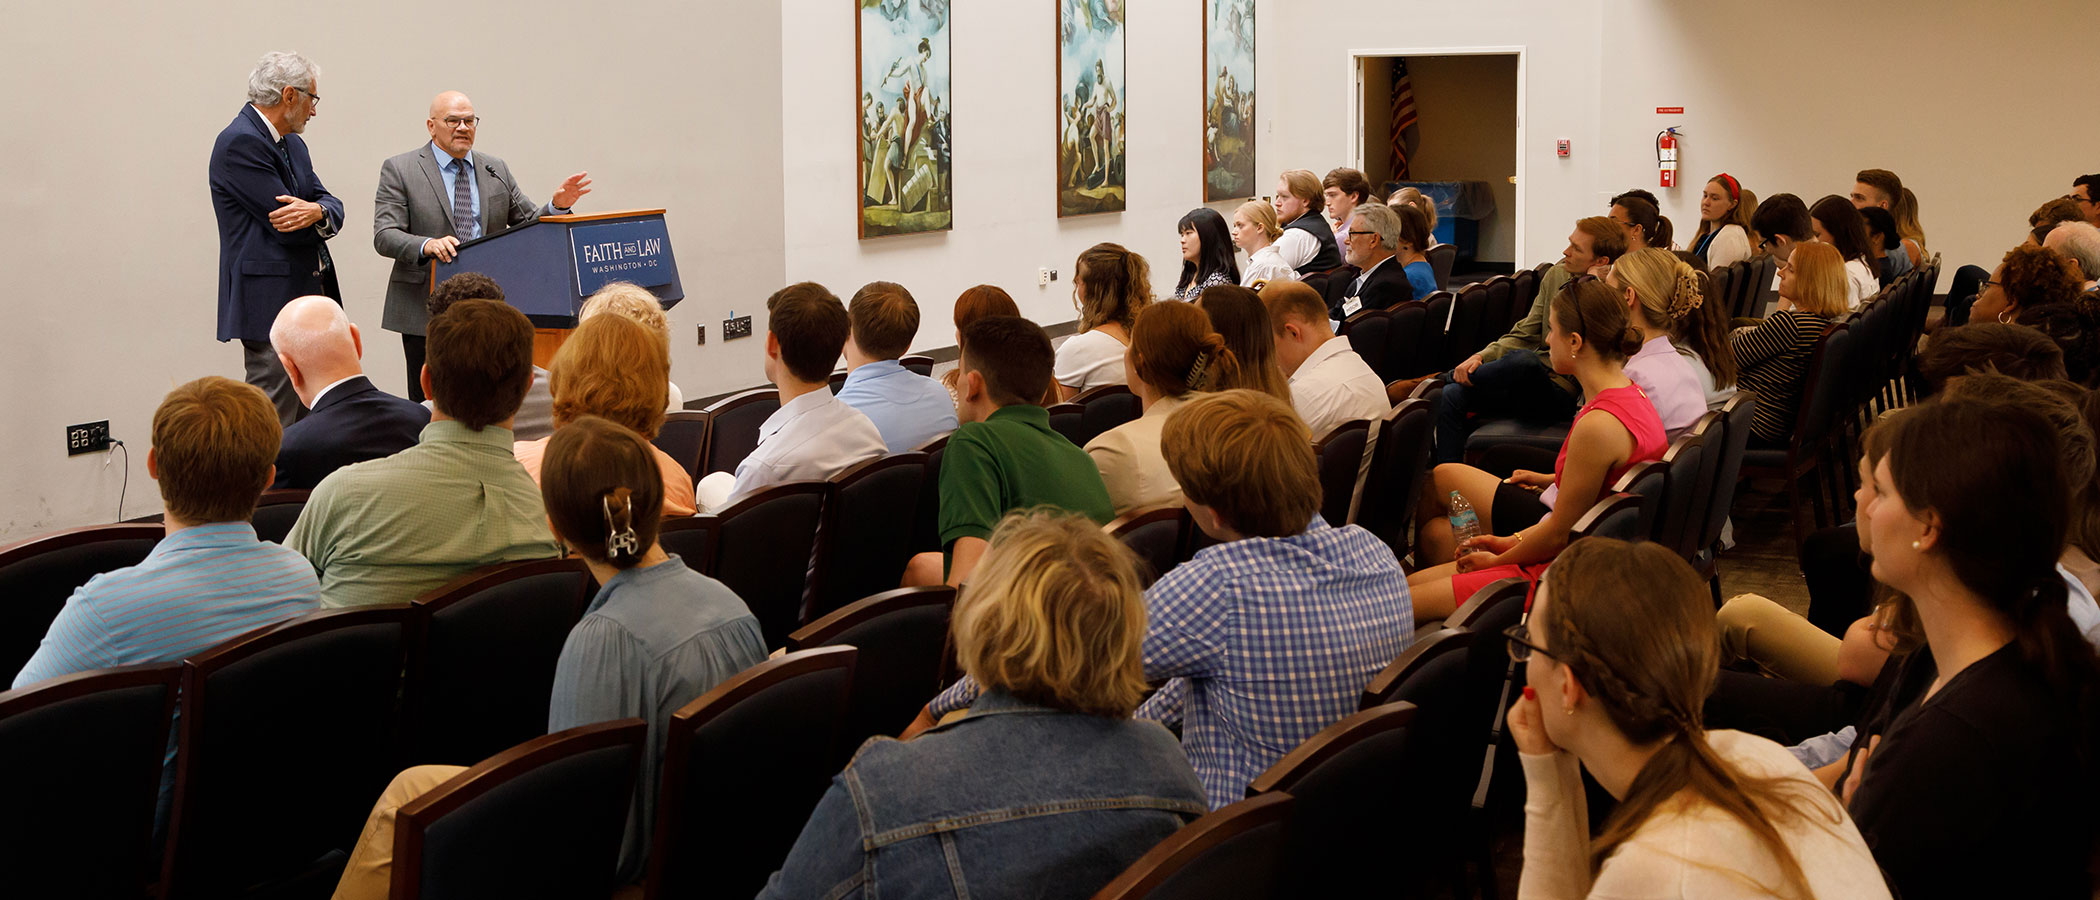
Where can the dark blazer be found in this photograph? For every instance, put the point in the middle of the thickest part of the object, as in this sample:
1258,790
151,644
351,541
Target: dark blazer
260,268
1330,255
1387,287
412,206
352,423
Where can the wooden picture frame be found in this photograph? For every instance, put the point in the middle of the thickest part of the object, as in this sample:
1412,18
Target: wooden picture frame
902,133
1228,101
1091,102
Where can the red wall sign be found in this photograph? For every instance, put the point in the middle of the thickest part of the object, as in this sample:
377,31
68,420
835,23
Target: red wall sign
1669,110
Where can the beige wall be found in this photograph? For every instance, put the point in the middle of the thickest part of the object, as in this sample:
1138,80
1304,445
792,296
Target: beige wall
111,248
1467,131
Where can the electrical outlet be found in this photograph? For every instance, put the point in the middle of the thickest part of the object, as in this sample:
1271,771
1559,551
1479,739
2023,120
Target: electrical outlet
90,438
739,327
1042,276
703,333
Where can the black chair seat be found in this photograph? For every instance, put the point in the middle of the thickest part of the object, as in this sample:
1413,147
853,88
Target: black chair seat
1502,432
1233,852
902,636
38,574
481,657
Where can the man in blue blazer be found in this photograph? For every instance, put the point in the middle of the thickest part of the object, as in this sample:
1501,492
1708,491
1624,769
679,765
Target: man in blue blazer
275,218
352,420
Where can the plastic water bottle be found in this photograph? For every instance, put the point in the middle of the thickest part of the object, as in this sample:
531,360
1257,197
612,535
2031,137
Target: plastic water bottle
1465,524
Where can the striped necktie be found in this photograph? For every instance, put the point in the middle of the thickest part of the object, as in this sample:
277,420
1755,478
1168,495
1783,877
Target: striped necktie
463,223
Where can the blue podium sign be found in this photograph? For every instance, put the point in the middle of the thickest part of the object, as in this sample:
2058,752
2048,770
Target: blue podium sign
637,251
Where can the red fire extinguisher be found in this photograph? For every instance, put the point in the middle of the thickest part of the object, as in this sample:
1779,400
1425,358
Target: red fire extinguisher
1666,156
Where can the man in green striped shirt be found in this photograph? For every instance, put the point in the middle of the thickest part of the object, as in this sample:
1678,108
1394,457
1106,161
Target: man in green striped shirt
389,530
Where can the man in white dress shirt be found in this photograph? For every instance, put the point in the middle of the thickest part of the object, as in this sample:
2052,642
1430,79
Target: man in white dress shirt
1330,384
814,435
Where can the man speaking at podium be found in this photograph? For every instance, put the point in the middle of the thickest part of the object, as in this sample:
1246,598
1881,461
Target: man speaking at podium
425,209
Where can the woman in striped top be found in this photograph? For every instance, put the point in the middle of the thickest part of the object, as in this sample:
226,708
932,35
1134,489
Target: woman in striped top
1773,356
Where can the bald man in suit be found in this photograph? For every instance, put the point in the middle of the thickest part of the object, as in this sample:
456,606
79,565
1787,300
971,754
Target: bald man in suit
425,209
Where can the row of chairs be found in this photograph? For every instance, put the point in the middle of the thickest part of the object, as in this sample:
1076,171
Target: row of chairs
1439,331
715,437
1745,288
1856,369
313,702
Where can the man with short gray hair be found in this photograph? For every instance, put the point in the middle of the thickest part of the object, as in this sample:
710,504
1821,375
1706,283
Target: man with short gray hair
2078,242
1372,240
275,218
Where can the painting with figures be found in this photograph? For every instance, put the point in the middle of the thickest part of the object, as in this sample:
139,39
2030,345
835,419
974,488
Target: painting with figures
904,93
1090,104
1228,99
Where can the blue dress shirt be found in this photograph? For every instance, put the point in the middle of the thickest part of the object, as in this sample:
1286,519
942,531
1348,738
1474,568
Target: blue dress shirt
450,172
907,407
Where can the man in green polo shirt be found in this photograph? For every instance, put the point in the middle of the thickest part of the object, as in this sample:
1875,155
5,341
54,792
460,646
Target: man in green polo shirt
1004,456
387,530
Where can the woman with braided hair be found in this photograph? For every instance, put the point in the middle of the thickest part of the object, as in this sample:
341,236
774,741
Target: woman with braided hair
1619,653
1661,292
1174,353
1972,771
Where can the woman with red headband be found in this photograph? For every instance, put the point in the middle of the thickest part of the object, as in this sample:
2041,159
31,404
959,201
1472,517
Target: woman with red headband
1724,222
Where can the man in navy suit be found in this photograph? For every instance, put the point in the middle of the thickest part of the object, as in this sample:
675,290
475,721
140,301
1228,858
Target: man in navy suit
352,421
275,218
1379,282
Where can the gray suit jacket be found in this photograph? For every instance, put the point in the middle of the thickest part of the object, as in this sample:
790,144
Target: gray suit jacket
413,207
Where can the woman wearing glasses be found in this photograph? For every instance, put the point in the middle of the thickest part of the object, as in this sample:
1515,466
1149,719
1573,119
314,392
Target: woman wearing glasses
1620,652
1526,518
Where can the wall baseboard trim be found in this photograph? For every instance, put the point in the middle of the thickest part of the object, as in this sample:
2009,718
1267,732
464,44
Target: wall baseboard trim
945,354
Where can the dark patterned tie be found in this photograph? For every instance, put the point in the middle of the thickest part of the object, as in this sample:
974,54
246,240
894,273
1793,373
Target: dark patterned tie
463,201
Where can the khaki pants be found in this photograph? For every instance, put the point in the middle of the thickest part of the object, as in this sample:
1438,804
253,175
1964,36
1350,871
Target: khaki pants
1778,641
371,870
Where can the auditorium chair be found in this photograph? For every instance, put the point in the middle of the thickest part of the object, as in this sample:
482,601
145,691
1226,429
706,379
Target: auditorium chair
287,736
1815,422
926,529
1369,333
1345,783
1502,309
481,656
922,365
1441,258
905,657
1341,456
37,574
1234,852
275,513
1442,743
1468,329
1156,535
865,538
1650,481
1414,340
80,766
1691,461
1399,462
682,437
1734,443
541,819
733,428
745,765
1616,516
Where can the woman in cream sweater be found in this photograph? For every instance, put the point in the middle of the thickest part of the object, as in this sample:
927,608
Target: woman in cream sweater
1620,652
1173,353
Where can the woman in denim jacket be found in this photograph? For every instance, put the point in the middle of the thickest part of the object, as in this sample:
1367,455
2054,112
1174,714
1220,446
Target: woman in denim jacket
1047,787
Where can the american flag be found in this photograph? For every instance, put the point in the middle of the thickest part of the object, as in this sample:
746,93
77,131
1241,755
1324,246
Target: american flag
1404,118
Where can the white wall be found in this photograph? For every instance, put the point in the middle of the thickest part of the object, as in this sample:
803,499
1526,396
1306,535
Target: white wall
1005,141
111,248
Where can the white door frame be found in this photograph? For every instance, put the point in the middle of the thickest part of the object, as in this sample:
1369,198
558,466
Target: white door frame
1353,137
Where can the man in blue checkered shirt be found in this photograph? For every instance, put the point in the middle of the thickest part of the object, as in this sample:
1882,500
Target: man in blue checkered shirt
1270,636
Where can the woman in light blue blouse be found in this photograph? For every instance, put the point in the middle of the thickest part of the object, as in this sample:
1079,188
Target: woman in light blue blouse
1412,254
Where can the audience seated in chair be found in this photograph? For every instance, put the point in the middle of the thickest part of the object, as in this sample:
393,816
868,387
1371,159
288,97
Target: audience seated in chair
1412,251
1051,626
657,636
535,418
352,420
1774,354
1782,223
1382,280
1254,229
2078,242
976,303
1206,254
1510,378
1271,635
2027,277
1881,189
1702,337
1004,456
1619,654
1838,224
1298,203
814,435
1414,197
388,530
1330,384
1173,354
1989,721
1726,211
908,408
1646,226
209,580
1110,285
615,368
635,302
1526,519
1662,291
1342,190
1242,320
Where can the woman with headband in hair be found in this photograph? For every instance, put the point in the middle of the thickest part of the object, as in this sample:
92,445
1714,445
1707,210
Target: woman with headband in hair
656,637
1661,292
1724,234
1174,353
1972,772
1527,518
1619,653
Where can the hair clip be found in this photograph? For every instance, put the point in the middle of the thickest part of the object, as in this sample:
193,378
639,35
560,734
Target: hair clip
1198,369
619,541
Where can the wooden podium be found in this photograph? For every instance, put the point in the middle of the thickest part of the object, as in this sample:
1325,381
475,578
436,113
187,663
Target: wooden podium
547,268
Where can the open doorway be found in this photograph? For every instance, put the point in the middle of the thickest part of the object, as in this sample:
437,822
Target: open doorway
1463,148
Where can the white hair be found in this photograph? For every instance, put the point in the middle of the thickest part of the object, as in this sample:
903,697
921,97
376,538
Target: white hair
2079,241
1380,219
276,71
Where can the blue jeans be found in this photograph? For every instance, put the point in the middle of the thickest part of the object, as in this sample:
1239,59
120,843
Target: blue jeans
1517,385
